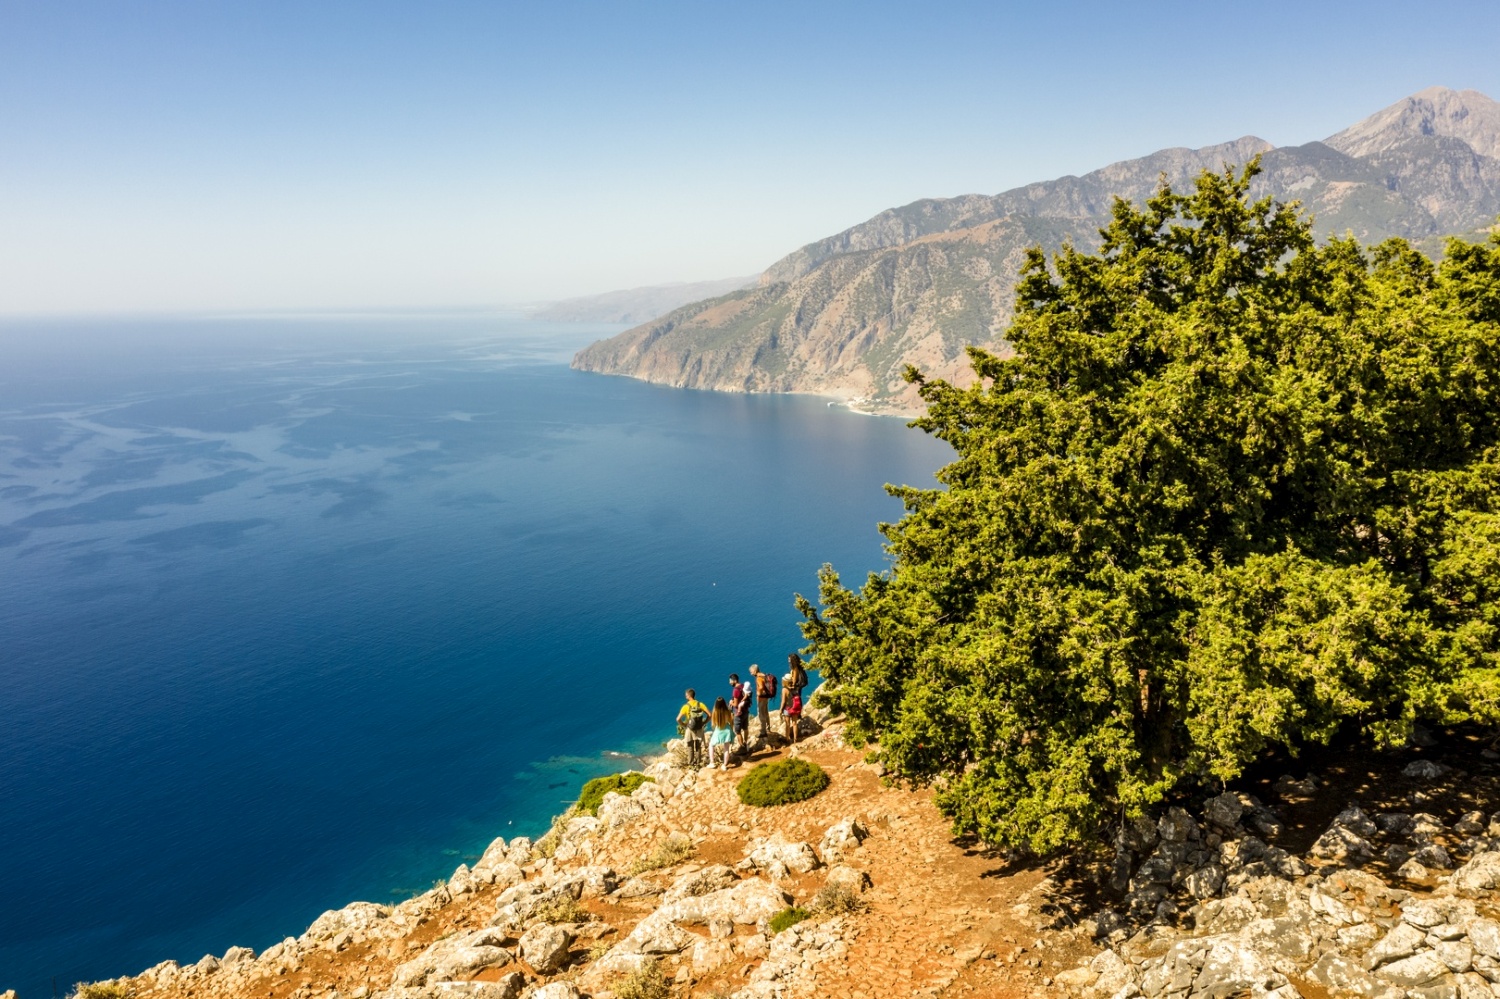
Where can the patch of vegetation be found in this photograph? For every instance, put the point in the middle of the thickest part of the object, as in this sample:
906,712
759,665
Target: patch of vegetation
600,948
787,918
595,790
782,783
645,983
101,990
836,900
1235,491
562,909
670,851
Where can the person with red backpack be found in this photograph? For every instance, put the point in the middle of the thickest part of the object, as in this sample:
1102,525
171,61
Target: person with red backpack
765,693
739,703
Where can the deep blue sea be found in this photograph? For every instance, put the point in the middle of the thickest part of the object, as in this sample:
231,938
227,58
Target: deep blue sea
298,611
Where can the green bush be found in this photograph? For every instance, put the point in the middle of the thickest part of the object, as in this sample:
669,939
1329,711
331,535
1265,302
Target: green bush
787,918
1233,491
645,983
595,790
782,783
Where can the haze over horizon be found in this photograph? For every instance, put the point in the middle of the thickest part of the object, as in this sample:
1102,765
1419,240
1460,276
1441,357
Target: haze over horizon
173,156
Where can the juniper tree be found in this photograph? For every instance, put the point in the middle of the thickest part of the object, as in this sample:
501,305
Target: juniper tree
1233,490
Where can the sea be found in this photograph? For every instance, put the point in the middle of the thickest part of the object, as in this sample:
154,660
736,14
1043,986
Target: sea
302,609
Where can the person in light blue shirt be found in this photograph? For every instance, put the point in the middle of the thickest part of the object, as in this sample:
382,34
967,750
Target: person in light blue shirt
721,741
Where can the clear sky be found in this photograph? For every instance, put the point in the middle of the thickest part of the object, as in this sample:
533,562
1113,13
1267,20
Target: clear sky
264,154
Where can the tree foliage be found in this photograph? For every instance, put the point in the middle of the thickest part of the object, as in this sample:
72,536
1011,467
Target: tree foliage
1233,490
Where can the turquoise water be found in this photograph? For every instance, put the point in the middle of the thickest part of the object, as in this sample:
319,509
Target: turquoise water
299,611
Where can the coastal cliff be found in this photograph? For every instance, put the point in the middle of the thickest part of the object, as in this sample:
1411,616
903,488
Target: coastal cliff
843,316
1378,876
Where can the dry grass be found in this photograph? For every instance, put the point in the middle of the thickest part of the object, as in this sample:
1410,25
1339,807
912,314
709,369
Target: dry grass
672,850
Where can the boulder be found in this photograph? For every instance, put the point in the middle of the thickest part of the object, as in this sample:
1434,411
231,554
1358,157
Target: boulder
701,882
1230,968
1479,876
1342,845
848,877
237,955
1484,934
1224,811
459,956
747,903
840,839
1471,824
556,990
545,947
1458,955
1418,970
364,921
1176,826
207,965
1341,976
1433,856
656,934
798,857
1425,770
711,954
616,810
520,851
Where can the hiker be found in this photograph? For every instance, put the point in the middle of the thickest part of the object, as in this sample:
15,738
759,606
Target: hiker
765,693
792,686
791,716
740,699
692,725
722,740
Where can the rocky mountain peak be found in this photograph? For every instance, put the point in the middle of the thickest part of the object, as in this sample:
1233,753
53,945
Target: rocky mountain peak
1467,115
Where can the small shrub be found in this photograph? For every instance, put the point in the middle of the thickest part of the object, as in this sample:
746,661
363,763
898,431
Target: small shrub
595,790
563,909
600,948
787,918
672,850
647,983
836,900
782,783
101,990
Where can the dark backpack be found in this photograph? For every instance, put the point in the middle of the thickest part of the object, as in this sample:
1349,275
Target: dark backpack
696,722
766,685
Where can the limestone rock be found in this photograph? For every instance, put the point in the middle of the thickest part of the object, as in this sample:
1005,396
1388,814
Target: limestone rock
237,955
656,934
851,878
701,882
1224,811
555,990
1176,826
1484,934
364,920
458,956
841,837
1342,976
616,810
1425,770
1479,876
748,902
545,947
1415,971
711,954
798,857
1342,845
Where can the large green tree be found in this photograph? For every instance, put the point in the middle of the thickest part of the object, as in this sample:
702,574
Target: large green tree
1233,490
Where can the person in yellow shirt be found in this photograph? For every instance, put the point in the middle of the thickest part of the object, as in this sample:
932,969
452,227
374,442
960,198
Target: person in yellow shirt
692,725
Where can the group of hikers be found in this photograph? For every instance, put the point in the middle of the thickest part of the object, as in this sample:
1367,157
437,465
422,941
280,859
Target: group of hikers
717,732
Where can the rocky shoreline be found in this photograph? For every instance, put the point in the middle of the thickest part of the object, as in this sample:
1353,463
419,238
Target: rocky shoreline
677,883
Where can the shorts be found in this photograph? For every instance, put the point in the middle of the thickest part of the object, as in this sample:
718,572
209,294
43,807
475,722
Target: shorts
742,723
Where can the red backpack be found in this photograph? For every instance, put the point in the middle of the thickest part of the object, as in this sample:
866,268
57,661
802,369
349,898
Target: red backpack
765,686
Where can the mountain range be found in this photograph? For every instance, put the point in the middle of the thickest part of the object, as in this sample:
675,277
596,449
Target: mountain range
842,316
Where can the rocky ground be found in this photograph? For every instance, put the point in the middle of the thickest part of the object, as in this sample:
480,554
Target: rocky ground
1374,877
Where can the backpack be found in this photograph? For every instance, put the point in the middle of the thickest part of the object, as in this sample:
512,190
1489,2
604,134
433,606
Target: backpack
696,722
766,685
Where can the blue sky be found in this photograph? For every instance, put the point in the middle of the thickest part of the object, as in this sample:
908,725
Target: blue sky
263,155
